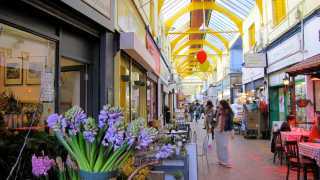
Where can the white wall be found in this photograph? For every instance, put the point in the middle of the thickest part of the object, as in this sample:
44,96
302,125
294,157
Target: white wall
285,54
312,37
251,74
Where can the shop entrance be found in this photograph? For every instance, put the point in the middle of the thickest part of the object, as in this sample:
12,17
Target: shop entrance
72,85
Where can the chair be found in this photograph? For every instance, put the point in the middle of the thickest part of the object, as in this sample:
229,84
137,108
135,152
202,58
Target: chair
278,147
296,163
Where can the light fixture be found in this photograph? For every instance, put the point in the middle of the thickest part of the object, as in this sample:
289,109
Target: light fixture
286,80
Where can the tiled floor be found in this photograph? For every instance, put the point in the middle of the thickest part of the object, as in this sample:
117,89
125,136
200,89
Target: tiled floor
251,160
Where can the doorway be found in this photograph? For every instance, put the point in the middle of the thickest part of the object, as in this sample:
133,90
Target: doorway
73,85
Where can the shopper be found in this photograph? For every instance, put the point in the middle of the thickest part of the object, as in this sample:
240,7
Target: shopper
167,114
223,133
191,111
197,111
209,118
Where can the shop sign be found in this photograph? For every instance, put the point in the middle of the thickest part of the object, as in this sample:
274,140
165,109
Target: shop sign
154,52
102,6
255,60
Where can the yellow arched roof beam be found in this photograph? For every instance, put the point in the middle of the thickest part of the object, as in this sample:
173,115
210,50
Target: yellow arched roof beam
178,61
184,66
184,63
259,4
160,4
204,5
193,50
198,42
224,41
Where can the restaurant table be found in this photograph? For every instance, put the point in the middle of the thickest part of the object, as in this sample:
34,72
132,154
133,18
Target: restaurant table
311,150
293,135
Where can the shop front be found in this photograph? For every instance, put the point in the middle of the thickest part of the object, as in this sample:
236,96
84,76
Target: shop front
47,63
307,103
279,96
136,79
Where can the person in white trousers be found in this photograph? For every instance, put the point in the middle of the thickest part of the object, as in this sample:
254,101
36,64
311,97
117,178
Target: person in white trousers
224,133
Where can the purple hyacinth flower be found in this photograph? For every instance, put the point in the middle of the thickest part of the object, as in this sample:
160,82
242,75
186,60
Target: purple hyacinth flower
41,165
144,139
119,139
53,120
109,137
89,136
103,117
80,118
64,122
165,151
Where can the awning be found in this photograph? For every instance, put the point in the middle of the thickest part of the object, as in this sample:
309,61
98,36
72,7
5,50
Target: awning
308,66
137,50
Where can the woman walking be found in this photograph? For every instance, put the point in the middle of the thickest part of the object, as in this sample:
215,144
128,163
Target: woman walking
224,132
209,118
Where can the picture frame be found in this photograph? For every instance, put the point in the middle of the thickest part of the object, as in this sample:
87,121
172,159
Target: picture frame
13,73
33,72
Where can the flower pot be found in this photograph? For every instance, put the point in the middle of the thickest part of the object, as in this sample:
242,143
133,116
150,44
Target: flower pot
84,175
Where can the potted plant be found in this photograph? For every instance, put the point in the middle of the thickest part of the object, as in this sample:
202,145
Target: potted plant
100,146
177,175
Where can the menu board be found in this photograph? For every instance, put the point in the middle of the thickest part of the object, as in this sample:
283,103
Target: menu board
47,87
102,6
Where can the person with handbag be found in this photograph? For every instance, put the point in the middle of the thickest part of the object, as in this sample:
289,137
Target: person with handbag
224,133
209,118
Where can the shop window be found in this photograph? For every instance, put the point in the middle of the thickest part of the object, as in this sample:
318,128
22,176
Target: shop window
125,87
72,89
133,89
279,11
252,35
26,78
138,93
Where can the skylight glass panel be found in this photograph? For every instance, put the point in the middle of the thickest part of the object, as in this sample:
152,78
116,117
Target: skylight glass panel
215,41
181,23
170,7
240,8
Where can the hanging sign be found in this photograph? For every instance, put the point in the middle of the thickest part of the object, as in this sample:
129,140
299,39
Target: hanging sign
255,60
47,87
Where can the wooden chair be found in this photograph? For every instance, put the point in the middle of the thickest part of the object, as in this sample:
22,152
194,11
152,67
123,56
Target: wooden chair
278,147
296,163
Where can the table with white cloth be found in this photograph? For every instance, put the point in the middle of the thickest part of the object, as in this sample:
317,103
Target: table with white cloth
311,150
293,135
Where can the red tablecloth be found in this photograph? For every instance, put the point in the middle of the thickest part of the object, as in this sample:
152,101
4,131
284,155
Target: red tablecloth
293,135
311,150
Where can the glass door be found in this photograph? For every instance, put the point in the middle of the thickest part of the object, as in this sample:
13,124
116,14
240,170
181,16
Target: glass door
72,85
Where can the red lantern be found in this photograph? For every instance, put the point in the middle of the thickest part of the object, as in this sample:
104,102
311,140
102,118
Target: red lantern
202,56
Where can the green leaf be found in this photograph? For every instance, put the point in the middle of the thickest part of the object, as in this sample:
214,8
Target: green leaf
114,157
82,160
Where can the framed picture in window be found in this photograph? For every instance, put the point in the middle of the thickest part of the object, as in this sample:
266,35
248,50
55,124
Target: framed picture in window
13,71
33,74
